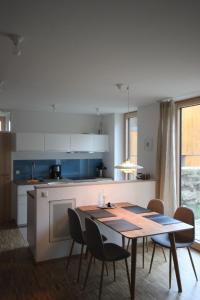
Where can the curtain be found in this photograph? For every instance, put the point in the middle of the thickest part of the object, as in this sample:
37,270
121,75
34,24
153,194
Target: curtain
166,188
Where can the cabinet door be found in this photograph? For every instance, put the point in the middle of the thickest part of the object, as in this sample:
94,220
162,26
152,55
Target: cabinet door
22,203
81,142
23,189
57,142
22,210
29,141
100,143
59,223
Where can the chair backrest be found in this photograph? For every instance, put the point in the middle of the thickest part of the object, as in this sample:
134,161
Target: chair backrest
75,226
94,239
185,215
156,205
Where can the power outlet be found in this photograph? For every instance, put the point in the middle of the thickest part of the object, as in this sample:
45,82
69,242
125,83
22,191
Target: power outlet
44,194
17,172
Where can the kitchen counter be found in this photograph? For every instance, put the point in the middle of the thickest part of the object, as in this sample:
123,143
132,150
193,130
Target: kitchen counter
89,182
50,182
48,228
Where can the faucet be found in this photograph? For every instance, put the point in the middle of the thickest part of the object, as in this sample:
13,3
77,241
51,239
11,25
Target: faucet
32,169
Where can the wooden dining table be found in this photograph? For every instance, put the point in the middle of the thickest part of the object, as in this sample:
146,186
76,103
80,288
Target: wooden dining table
144,226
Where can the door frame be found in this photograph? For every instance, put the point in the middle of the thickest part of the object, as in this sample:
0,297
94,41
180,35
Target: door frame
182,104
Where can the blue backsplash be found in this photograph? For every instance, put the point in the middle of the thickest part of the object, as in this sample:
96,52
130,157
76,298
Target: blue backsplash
72,168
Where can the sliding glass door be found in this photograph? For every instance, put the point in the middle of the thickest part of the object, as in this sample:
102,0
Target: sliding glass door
189,158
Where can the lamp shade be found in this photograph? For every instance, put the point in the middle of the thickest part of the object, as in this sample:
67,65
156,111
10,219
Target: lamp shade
128,167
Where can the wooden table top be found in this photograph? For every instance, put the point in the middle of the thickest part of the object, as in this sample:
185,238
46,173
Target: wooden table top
148,227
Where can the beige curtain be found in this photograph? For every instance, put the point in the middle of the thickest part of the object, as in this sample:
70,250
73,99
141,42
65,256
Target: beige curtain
166,157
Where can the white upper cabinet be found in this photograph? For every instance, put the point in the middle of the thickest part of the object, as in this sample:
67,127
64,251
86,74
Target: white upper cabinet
81,142
29,141
100,143
51,142
57,142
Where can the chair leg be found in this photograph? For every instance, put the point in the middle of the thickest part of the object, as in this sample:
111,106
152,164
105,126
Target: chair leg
128,244
146,239
106,267
70,254
190,255
170,268
86,253
88,271
80,262
128,275
114,270
154,247
163,251
101,281
143,242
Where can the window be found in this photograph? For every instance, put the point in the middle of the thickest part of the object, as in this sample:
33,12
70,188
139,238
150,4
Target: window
4,121
131,136
189,158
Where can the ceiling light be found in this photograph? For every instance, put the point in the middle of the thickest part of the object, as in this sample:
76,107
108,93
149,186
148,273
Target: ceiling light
97,111
128,167
2,85
16,40
53,107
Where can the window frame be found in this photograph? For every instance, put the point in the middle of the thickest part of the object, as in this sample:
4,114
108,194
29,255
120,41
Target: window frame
179,105
127,117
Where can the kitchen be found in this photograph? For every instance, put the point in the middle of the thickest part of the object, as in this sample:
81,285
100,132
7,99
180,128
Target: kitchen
74,75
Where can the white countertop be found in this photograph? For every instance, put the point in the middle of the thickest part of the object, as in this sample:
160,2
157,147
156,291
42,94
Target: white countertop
86,182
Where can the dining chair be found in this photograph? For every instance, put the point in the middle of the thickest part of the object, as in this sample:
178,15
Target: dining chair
183,239
155,205
105,252
78,235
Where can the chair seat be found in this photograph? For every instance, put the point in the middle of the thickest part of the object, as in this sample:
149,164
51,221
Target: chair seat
113,252
163,241
85,239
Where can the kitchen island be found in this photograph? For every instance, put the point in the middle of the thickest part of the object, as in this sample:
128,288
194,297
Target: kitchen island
47,229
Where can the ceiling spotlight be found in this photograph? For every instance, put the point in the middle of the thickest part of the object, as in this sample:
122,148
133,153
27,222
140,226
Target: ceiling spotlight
16,40
2,85
119,86
53,107
97,111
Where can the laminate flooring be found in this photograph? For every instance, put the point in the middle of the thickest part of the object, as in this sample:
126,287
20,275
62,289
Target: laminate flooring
22,279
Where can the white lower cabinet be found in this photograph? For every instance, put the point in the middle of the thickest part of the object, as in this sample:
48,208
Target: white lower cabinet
19,203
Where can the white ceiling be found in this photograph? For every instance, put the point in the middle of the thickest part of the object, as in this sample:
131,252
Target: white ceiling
74,52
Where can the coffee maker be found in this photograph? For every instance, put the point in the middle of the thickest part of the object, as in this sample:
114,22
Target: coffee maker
55,172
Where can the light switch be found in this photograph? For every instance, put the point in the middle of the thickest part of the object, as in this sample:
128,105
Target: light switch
17,172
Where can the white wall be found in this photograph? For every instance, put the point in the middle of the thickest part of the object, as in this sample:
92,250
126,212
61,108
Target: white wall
108,158
119,145
113,125
148,119
53,122
148,122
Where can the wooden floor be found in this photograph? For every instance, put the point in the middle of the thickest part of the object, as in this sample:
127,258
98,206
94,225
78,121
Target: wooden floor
21,279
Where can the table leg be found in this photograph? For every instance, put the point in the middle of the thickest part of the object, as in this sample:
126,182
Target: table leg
133,267
175,260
